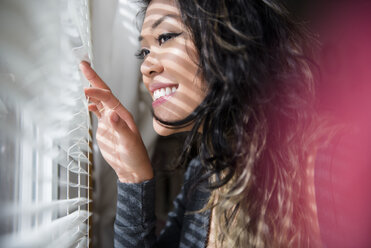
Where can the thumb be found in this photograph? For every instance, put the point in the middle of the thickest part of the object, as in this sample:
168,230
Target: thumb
118,124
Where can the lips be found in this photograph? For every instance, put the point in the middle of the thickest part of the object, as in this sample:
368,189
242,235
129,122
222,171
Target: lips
162,92
157,85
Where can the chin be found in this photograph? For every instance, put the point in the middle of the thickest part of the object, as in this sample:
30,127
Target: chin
161,130
166,131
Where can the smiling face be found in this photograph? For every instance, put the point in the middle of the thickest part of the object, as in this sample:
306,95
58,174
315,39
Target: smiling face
169,67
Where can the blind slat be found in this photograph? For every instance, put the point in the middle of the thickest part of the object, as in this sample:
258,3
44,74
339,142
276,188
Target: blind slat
71,238
33,209
70,226
73,166
74,185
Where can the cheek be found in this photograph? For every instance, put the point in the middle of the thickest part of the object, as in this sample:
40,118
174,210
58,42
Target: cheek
181,60
181,67
184,70
191,89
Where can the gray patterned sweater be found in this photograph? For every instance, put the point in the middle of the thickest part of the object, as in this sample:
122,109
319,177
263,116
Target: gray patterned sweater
135,215
342,172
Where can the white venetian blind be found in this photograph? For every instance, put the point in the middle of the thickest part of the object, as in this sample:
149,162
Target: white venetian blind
45,156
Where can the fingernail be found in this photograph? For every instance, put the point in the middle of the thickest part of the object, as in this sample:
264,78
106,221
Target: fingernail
115,117
83,64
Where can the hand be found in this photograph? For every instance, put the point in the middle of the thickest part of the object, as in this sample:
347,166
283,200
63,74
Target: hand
117,135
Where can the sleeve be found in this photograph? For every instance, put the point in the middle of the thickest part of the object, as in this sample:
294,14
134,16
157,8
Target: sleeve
135,216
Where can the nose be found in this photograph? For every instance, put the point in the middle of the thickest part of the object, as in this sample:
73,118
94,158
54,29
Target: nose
151,65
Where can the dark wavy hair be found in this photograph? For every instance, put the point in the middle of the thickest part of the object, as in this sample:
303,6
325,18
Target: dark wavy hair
258,121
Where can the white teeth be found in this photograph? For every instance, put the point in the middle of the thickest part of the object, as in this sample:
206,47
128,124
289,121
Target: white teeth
163,92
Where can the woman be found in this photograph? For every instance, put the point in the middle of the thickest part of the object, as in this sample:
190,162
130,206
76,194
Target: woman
235,76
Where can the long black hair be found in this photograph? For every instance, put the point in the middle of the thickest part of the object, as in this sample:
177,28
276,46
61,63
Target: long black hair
257,120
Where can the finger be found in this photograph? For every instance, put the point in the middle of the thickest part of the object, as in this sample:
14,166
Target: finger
98,103
112,102
92,76
93,100
119,124
93,108
102,95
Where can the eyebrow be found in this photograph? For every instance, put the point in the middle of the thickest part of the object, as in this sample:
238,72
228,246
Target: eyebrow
158,22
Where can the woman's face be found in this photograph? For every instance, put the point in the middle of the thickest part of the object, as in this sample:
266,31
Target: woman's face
169,68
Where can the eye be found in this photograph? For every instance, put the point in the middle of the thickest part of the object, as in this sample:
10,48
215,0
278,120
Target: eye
162,38
142,53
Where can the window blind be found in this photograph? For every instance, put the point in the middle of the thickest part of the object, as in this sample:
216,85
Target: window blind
45,135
